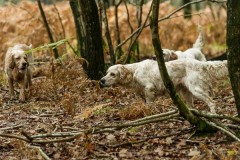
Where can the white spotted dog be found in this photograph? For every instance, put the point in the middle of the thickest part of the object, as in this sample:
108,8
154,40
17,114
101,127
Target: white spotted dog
191,78
192,53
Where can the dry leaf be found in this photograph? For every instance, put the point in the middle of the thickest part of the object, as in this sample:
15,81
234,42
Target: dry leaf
193,152
111,138
159,151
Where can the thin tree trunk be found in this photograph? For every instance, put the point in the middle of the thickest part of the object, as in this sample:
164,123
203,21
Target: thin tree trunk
183,109
76,17
187,10
93,39
56,55
107,32
118,51
233,43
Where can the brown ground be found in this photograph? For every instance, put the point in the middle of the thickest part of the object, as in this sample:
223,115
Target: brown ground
69,102
66,101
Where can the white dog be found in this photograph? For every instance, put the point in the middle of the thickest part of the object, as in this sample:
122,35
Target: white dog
192,53
191,77
17,68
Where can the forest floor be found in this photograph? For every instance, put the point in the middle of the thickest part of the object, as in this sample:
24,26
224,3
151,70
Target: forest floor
66,101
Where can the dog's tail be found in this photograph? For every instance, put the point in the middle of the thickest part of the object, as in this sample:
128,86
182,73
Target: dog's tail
199,43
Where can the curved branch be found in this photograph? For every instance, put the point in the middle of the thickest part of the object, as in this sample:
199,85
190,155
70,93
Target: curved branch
210,115
222,129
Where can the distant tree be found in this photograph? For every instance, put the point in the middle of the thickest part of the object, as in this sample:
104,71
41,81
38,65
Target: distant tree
187,9
56,55
233,43
92,39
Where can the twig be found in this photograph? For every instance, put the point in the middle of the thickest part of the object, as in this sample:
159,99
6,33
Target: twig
138,34
216,1
221,129
120,126
233,126
57,134
154,116
41,152
12,127
210,115
14,136
26,135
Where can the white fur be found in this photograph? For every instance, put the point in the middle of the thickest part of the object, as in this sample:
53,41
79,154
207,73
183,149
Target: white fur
192,53
192,78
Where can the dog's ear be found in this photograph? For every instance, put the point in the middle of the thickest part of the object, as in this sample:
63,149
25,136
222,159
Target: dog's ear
125,75
11,62
173,56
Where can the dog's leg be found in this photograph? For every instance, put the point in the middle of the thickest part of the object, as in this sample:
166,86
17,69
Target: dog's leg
187,96
11,87
201,95
149,93
22,91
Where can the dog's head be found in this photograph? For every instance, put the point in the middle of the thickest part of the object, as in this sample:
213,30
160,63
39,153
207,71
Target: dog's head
18,60
117,74
169,55
17,57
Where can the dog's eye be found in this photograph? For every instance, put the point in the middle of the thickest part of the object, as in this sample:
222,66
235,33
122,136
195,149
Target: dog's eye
17,57
112,74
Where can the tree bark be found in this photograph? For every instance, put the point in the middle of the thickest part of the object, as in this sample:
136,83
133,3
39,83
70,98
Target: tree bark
77,21
56,55
187,10
183,109
93,40
107,32
233,43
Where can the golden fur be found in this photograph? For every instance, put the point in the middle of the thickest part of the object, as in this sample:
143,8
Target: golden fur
17,69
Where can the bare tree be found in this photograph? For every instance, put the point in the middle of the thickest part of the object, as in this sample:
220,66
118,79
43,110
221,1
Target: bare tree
93,39
56,55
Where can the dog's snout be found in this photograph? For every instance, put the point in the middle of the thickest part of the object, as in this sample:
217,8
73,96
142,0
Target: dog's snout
24,63
102,81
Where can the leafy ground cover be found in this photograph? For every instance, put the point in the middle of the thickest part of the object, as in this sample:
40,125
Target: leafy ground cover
66,101
62,99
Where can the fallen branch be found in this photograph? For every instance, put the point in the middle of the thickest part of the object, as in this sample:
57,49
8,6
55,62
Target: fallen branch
211,115
12,127
41,152
14,136
222,129
129,124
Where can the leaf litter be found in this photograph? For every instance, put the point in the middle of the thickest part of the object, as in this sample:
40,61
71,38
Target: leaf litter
63,99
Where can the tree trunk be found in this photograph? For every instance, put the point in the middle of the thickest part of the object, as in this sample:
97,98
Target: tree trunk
56,55
187,10
183,109
233,43
107,32
77,21
93,40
